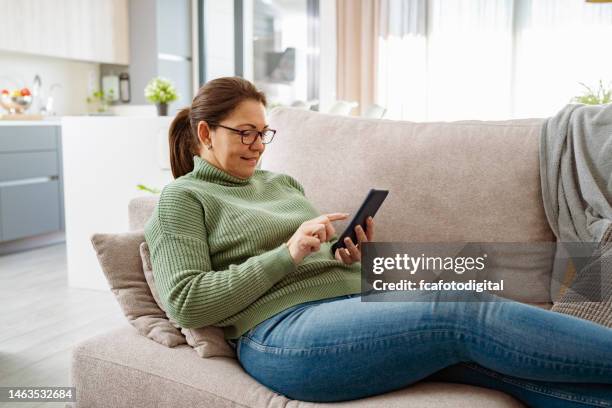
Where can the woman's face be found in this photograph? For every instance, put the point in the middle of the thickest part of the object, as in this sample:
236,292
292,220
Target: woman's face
228,153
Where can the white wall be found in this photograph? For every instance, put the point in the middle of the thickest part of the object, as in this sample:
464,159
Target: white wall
104,158
76,78
219,34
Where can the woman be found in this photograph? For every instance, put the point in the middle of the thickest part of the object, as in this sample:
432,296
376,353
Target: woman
243,249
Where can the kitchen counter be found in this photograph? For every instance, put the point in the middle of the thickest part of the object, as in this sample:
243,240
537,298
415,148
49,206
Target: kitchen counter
51,121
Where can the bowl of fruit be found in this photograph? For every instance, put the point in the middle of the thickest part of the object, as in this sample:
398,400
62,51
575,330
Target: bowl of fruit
16,101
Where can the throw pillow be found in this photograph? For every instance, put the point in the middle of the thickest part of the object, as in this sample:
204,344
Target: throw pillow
120,260
589,295
207,341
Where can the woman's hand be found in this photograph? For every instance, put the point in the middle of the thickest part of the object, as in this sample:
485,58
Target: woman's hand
352,252
311,234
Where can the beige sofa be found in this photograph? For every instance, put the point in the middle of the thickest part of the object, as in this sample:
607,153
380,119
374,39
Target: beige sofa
454,181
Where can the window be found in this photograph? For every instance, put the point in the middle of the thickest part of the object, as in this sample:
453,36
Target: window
282,57
489,59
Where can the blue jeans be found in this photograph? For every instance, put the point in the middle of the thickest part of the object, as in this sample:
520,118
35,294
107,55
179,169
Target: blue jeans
341,348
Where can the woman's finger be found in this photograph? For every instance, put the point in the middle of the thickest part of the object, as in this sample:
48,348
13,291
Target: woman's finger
338,255
361,235
317,230
321,232
311,243
347,255
336,216
353,250
329,230
343,256
370,229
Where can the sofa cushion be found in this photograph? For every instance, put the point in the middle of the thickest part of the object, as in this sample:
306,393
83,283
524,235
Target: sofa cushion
123,369
207,341
119,257
467,181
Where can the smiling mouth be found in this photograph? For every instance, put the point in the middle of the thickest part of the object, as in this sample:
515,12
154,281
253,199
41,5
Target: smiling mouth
249,158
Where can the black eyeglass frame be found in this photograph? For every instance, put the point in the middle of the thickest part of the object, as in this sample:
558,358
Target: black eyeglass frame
241,132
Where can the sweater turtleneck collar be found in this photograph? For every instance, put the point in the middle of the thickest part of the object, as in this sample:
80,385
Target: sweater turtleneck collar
203,170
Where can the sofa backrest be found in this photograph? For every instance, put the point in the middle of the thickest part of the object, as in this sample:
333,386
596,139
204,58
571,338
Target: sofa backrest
465,181
448,181
140,210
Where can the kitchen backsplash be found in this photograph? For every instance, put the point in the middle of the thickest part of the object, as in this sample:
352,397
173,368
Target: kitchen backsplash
75,80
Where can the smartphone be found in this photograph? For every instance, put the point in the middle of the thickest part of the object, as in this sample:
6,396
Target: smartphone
368,208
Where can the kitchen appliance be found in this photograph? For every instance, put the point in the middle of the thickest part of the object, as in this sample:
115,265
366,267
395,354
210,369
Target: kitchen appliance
110,86
124,87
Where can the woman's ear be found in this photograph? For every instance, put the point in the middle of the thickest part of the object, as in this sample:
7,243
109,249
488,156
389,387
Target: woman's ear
204,133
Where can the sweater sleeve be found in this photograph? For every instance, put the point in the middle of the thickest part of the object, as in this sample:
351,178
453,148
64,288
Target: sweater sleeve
193,294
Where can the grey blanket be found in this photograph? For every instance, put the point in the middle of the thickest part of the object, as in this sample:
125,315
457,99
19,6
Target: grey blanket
576,178
576,172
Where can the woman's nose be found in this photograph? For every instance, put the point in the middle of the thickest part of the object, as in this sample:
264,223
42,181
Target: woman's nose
257,144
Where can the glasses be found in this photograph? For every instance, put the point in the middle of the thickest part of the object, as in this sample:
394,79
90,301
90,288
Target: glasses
249,136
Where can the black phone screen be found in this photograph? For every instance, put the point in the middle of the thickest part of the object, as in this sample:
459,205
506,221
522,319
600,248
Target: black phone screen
368,208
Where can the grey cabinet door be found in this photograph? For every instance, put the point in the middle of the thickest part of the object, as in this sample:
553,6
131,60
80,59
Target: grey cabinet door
25,165
28,138
29,209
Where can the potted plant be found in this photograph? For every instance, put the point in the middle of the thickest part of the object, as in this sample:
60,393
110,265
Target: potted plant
591,97
161,91
98,102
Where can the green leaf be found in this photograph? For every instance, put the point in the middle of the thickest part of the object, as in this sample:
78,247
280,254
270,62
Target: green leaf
147,189
591,97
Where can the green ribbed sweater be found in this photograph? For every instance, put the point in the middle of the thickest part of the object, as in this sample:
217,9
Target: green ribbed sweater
218,250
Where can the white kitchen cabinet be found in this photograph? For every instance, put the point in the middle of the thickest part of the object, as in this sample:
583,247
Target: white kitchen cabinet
86,30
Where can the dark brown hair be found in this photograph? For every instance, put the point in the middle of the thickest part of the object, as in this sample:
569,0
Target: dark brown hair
214,102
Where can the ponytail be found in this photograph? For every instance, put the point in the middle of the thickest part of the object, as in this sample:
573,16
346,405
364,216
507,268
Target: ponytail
183,144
